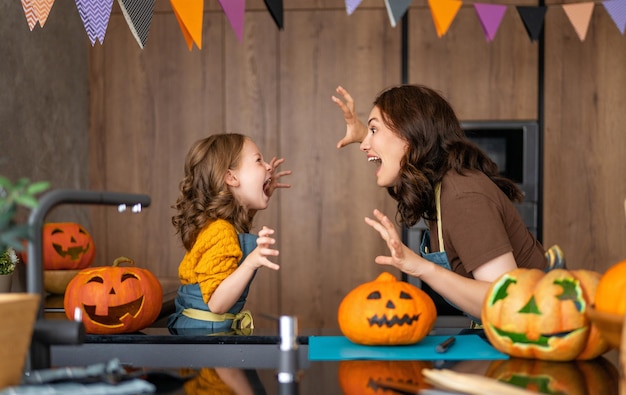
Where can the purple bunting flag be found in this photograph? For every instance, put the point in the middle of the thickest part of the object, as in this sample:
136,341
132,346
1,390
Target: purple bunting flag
95,15
617,11
235,12
351,5
490,16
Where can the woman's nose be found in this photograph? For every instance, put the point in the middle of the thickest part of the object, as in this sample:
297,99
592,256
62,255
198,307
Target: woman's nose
365,144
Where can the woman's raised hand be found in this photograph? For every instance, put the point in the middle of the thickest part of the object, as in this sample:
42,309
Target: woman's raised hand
356,131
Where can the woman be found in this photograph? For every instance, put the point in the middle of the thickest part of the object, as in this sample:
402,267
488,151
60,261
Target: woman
475,233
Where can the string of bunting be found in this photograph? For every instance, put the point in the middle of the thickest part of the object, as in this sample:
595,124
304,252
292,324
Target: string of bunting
95,16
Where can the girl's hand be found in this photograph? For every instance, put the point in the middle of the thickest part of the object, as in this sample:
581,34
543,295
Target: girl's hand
259,256
356,131
274,163
399,252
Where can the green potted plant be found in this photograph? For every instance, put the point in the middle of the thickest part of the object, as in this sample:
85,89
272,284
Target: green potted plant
12,234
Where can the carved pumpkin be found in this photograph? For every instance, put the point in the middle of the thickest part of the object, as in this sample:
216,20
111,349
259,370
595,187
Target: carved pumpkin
611,292
114,299
531,314
386,312
369,377
597,376
66,245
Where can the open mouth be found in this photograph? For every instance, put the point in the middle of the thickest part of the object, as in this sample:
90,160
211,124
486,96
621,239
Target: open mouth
266,186
375,159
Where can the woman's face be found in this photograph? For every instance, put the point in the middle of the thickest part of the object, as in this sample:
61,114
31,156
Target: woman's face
383,148
250,179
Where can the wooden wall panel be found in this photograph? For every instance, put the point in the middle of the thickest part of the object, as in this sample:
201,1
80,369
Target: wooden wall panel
327,249
482,80
151,105
584,187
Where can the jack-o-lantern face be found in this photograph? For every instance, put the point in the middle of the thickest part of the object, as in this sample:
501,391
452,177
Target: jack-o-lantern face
531,314
377,377
386,312
114,299
598,376
66,245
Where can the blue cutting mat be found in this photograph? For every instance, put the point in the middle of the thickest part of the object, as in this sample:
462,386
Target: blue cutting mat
339,348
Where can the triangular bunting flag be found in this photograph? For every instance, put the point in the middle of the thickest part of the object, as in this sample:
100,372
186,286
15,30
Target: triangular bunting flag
95,15
42,9
490,17
617,11
138,15
235,11
31,14
351,5
275,8
396,9
443,12
189,15
579,15
533,19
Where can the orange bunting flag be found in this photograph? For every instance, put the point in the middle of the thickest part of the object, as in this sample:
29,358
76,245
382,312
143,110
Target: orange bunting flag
36,11
579,15
443,12
189,15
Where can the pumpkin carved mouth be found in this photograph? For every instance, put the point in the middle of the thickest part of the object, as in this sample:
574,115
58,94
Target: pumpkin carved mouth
73,252
115,314
395,320
542,341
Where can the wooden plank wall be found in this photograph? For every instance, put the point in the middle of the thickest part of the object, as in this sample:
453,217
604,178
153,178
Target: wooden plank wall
148,106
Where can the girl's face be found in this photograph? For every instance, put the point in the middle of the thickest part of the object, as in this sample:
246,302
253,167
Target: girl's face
383,148
249,180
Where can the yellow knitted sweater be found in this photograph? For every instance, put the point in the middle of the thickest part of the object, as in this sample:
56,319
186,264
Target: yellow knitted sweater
213,257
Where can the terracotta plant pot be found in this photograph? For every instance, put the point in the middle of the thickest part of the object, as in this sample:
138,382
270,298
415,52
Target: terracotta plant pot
18,312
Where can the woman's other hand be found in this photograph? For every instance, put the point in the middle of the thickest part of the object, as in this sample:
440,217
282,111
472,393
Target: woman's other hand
274,163
356,131
401,255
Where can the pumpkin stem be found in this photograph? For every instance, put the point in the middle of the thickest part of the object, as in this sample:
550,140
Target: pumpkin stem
123,259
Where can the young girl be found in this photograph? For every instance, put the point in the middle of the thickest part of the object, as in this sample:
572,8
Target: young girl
226,181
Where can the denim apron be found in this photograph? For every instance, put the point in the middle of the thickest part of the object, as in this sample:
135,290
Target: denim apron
192,315
439,258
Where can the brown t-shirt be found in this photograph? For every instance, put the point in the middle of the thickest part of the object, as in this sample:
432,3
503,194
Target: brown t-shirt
480,223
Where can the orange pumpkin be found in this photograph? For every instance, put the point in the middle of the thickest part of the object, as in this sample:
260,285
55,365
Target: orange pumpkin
386,312
114,299
531,314
611,292
370,377
597,376
66,245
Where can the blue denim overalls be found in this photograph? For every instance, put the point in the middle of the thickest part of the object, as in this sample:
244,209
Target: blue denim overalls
192,312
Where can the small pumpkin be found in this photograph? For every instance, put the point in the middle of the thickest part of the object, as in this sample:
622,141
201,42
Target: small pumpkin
114,299
386,312
597,376
531,314
611,292
66,245
370,377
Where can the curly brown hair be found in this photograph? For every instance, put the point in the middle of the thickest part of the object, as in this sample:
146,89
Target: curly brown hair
204,195
436,144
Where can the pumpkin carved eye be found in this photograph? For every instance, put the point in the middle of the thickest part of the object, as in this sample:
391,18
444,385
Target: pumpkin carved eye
373,295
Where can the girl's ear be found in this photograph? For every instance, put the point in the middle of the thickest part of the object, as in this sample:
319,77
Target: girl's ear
231,179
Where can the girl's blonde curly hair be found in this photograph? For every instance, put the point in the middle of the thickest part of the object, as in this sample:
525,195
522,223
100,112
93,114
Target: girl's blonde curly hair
204,195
